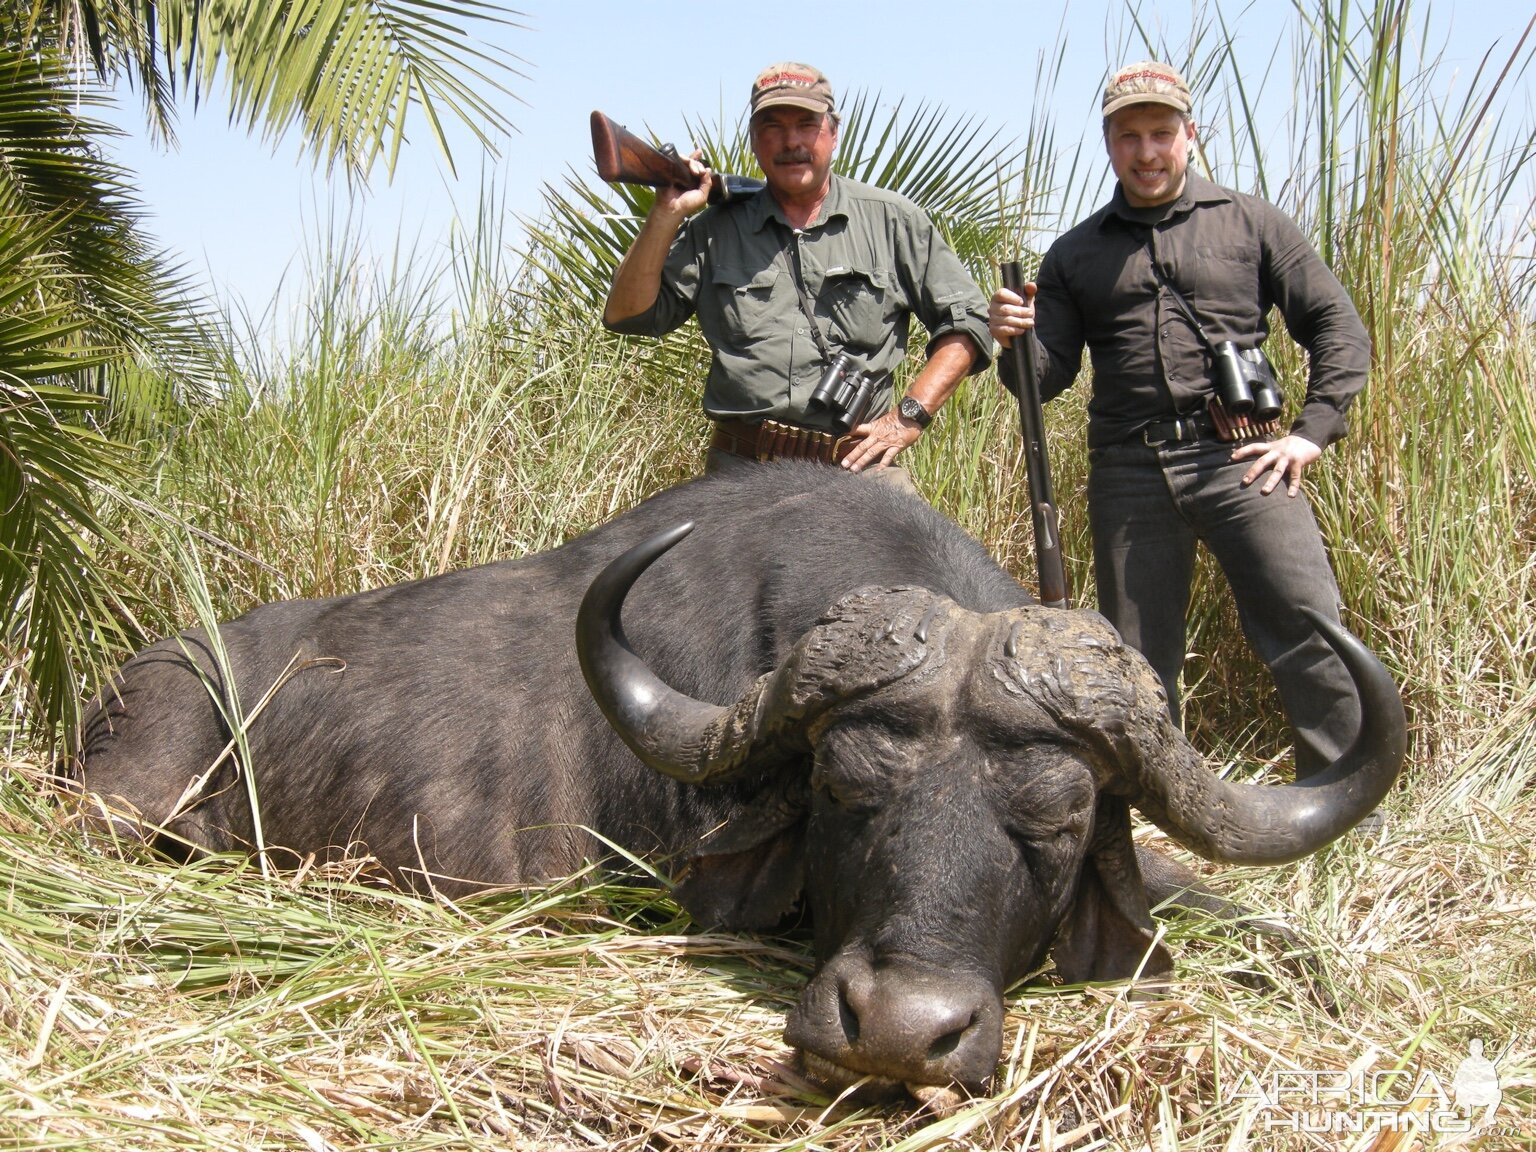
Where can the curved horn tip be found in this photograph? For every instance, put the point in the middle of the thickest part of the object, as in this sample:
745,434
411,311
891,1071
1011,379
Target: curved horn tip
1337,634
645,553
1380,699
1339,637
608,588
664,728
1239,823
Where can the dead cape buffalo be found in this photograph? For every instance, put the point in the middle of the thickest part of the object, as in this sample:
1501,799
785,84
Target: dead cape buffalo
826,695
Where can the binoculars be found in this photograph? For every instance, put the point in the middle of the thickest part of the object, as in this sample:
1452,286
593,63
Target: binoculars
1245,381
845,391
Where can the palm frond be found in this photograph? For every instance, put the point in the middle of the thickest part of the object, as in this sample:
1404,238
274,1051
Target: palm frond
951,167
347,73
132,305
57,607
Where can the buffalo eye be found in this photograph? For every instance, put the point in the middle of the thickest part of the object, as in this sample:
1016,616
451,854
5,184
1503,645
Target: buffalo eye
1051,797
847,777
845,794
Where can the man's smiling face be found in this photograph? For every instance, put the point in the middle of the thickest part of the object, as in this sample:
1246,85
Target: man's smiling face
795,148
1148,147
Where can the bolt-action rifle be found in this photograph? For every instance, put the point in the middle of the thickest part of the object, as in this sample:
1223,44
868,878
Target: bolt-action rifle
1020,366
624,158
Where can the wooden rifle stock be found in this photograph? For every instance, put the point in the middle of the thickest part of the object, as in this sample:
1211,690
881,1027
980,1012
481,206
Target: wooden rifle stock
624,158
1020,366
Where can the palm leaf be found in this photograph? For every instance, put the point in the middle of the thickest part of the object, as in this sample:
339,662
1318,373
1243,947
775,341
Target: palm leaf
57,607
950,167
113,37
346,72
92,310
131,304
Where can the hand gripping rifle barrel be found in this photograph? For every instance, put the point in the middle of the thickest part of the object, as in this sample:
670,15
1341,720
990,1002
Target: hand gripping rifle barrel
624,158
1019,364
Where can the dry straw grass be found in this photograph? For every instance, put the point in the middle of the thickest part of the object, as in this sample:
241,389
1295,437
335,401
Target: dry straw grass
144,1006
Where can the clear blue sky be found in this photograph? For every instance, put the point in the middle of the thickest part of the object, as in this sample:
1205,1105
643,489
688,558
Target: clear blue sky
239,212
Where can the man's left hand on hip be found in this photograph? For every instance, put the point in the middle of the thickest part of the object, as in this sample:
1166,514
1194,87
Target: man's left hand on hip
1284,459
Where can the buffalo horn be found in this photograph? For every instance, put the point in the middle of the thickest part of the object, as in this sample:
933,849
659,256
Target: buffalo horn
674,734
1240,823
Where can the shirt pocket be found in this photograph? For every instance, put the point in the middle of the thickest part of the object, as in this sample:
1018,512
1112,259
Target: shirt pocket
858,301
746,301
1226,273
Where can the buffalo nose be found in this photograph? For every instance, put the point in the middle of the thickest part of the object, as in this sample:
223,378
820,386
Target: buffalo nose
901,1022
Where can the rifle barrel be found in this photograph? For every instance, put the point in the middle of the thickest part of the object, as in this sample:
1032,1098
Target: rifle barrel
1020,366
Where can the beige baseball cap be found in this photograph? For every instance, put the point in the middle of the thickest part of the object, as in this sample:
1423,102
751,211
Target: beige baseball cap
1146,82
797,85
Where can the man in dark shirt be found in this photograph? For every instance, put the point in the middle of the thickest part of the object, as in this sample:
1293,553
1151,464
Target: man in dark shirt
783,281
1172,266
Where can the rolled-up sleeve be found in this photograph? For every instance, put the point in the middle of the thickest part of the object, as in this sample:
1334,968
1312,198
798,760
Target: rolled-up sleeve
946,297
958,306
679,290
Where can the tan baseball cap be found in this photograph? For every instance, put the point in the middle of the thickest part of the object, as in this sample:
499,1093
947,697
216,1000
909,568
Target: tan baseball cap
1146,82
797,85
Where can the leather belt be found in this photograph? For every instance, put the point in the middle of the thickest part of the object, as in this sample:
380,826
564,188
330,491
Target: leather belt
779,440
1183,428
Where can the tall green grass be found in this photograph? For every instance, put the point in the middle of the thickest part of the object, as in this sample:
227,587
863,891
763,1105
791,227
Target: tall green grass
431,415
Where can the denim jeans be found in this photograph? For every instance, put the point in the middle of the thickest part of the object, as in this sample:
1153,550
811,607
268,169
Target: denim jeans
1149,504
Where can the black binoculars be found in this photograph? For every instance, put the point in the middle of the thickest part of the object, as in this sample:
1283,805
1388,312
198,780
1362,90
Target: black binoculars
845,391
1245,381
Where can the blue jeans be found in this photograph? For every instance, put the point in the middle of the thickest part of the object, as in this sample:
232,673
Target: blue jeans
1149,504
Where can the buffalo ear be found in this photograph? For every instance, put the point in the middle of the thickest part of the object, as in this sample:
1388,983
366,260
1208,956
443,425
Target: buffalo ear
748,874
753,890
1108,930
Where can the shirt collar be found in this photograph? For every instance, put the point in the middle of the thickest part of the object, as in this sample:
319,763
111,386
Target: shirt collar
765,208
1197,190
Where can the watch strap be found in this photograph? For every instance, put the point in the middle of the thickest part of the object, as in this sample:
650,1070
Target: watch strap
913,410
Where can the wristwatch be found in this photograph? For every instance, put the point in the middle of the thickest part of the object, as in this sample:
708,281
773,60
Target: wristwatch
915,412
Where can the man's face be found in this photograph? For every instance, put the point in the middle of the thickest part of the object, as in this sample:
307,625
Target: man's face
1148,148
794,147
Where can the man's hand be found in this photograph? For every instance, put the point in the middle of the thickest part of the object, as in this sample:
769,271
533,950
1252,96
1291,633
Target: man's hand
1010,315
680,203
880,441
1284,458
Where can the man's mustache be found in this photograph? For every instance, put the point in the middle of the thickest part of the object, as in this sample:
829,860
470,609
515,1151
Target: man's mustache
796,156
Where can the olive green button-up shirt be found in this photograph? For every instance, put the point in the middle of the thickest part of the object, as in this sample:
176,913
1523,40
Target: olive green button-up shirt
1233,258
871,261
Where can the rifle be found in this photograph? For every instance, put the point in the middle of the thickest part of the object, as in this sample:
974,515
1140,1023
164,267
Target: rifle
1037,465
624,158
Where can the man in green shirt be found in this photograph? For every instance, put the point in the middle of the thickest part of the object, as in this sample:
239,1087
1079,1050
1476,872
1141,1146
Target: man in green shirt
785,281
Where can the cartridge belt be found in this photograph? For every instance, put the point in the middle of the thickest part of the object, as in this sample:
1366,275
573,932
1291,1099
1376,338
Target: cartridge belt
779,440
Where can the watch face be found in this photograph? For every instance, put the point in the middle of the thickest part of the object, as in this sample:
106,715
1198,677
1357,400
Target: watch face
914,411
